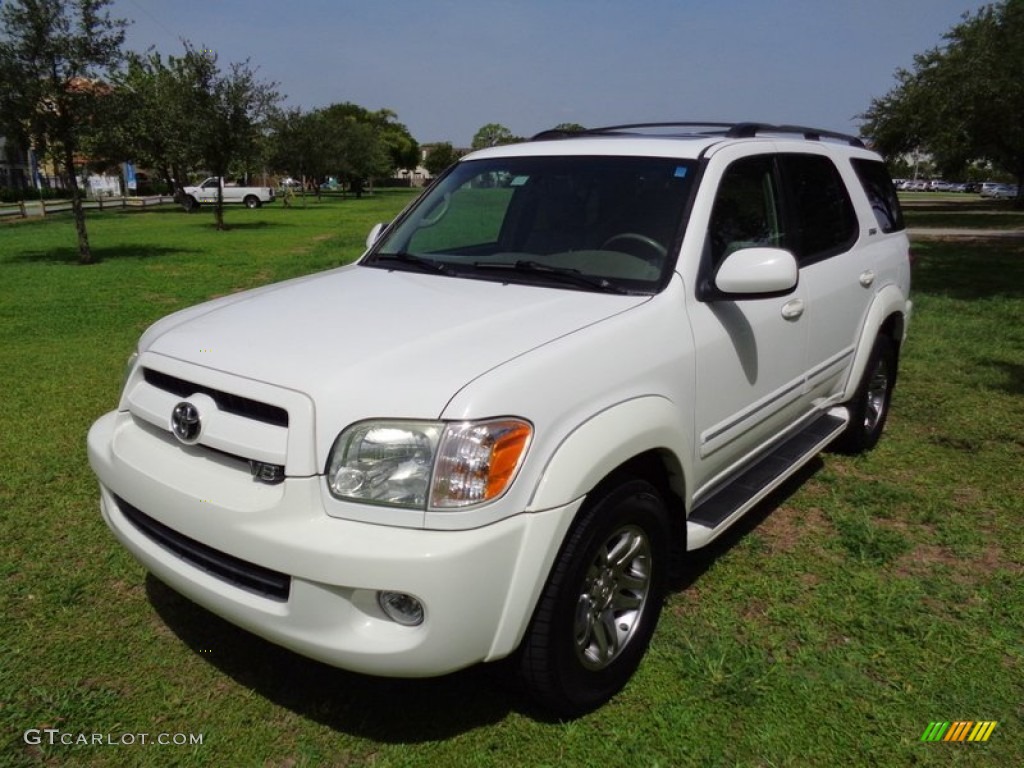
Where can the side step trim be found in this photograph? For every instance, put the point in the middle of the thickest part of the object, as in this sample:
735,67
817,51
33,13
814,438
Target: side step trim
720,510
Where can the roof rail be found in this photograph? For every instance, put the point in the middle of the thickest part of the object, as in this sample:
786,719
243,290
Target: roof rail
743,130
747,130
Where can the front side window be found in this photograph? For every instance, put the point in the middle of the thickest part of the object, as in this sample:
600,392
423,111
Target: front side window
580,222
746,209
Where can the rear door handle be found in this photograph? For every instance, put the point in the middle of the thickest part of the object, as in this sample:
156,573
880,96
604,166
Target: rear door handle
792,310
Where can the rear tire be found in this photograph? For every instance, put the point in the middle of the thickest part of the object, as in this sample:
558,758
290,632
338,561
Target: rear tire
601,604
869,407
251,201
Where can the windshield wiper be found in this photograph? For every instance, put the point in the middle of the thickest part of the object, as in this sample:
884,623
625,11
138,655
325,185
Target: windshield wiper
426,265
565,274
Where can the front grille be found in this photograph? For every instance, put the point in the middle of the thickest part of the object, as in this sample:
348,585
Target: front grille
235,571
236,404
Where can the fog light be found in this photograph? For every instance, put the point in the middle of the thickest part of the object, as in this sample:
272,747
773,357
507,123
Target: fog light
401,608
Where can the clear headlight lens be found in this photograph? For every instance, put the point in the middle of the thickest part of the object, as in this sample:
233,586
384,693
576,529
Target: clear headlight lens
384,462
408,463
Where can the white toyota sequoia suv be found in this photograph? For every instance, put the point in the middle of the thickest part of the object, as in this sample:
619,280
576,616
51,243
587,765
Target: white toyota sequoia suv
484,439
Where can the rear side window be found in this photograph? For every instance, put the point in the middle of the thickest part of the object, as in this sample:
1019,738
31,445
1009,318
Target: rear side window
881,192
824,220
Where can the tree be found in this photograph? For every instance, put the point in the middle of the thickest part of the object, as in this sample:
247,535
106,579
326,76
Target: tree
150,116
439,158
55,56
344,139
364,155
402,148
297,145
229,109
369,144
963,101
493,134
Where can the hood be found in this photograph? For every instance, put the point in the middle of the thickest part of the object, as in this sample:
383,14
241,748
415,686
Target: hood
365,342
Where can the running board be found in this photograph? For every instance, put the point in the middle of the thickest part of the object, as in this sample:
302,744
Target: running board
716,513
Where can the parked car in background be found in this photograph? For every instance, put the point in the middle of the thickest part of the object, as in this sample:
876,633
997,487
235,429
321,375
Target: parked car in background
206,194
1005,192
988,188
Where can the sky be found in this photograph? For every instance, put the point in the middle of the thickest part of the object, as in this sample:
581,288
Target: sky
448,67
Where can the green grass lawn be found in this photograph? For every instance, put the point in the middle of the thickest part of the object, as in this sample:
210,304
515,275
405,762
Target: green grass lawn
959,211
868,598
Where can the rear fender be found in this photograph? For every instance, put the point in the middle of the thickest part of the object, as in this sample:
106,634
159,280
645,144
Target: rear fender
890,301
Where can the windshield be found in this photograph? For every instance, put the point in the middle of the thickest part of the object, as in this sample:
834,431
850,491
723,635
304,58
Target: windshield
581,222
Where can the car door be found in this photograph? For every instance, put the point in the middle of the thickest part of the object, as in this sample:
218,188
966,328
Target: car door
750,352
208,191
837,276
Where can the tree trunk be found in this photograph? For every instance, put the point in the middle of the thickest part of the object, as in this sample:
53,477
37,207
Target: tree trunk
84,252
218,210
168,178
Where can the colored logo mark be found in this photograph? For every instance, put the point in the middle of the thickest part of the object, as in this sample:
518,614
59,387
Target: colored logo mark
961,730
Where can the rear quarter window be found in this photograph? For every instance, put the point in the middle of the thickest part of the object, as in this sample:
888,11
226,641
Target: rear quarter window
877,183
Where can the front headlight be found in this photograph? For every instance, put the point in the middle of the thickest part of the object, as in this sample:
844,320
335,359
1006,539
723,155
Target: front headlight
408,463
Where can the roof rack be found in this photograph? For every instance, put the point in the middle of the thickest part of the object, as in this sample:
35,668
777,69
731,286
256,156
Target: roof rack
744,130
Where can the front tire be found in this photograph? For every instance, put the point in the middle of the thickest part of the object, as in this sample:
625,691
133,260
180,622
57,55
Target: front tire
598,611
869,407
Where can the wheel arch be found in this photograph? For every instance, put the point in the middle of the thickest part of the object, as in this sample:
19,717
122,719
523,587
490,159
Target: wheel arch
886,316
593,457
643,437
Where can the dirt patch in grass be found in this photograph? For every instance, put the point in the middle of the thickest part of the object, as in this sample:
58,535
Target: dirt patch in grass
755,610
685,602
923,559
993,558
787,526
160,299
122,589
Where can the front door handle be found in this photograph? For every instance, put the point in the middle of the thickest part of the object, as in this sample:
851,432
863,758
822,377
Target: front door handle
867,278
792,310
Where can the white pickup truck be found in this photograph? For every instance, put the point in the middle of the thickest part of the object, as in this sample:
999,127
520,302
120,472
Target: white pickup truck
206,193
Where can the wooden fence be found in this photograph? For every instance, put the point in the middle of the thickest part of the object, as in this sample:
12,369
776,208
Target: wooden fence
37,208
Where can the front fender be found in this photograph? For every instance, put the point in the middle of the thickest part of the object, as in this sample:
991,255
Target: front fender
606,441
888,302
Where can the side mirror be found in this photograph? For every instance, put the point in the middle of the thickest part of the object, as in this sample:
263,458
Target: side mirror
374,233
757,273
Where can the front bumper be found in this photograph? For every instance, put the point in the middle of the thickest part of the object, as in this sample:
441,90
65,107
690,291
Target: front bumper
478,587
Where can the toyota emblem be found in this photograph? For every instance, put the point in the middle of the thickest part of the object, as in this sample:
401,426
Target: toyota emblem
185,422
